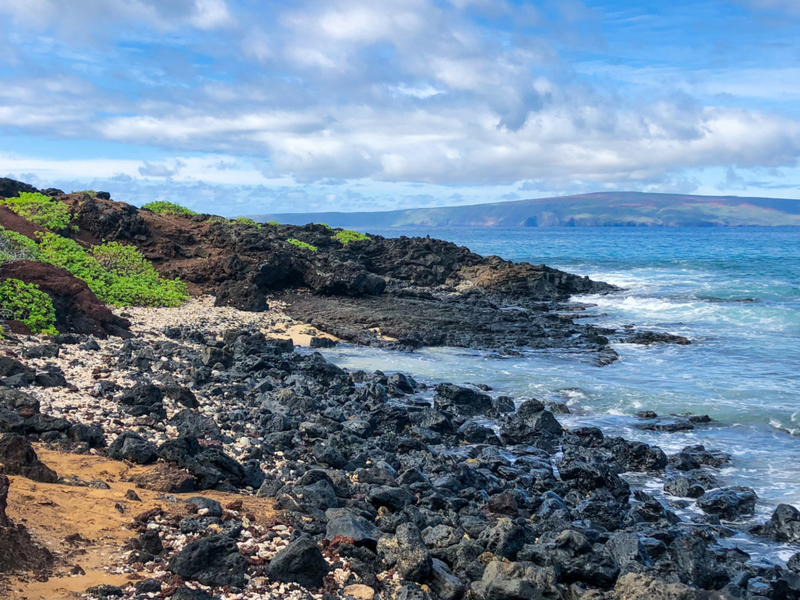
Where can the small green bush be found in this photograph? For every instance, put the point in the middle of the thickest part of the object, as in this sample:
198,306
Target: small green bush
41,209
29,304
301,245
163,207
273,223
325,225
246,221
15,246
117,274
345,236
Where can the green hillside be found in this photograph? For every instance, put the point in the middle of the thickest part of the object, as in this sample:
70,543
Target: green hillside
604,209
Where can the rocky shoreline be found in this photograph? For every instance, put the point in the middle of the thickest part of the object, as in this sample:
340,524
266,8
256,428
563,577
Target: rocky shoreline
379,485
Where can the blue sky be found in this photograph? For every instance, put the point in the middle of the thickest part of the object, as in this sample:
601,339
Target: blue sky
258,106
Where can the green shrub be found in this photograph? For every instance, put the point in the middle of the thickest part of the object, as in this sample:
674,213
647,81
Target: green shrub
325,225
29,304
246,221
92,193
163,207
301,245
273,223
347,235
41,209
15,246
117,274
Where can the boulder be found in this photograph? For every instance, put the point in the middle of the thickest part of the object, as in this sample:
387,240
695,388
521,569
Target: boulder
300,562
190,423
785,524
730,503
461,400
406,551
17,457
213,560
133,448
241,295
515,581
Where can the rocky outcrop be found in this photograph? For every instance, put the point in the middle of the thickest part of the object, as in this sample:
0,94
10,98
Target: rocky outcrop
17,457
78,310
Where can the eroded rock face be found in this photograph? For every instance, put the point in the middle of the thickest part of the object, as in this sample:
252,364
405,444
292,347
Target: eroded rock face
78,310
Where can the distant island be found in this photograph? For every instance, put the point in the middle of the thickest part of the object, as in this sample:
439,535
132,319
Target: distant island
602,209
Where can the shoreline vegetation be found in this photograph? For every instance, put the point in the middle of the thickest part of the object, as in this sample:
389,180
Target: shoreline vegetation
193,442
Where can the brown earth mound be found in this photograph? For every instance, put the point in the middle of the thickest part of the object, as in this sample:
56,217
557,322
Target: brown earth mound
12,221
78,310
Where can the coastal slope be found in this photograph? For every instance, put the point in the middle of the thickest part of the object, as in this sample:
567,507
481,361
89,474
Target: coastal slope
602,209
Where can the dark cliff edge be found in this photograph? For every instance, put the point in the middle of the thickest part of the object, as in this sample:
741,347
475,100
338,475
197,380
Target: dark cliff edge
391,292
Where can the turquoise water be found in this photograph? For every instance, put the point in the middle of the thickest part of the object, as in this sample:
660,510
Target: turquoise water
734,292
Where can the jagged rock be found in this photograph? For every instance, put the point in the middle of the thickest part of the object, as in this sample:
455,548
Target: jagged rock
406,551
299,562
133,448
213,560
190,423
242,295
17,457
462,400
515,581
729,503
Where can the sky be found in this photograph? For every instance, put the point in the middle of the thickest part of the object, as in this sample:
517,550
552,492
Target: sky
239,107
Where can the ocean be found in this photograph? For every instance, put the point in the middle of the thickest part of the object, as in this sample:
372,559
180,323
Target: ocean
734,292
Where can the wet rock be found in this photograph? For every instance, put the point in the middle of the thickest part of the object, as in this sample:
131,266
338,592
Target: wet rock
213,560
785,524
684,487
461,400
133,448
652,337
300,562
17,457
730,503
322,342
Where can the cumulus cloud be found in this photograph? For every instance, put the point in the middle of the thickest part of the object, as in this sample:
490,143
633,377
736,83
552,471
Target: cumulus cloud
337,92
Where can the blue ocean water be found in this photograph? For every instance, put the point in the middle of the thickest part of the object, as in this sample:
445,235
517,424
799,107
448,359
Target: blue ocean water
734,292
